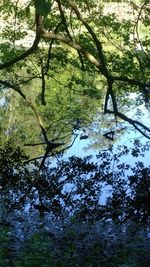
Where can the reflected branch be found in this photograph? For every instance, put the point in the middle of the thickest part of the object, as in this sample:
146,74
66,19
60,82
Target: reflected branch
49,151
18,90
136,124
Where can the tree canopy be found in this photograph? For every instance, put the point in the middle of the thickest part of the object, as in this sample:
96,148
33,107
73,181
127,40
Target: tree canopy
52,49
62,64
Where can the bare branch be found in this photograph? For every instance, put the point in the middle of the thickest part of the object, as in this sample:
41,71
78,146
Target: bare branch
43,102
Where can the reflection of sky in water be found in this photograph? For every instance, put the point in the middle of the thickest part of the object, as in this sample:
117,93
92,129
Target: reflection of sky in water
82,148
127,139
79,146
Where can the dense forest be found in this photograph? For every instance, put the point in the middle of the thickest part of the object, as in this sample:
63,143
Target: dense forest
74,71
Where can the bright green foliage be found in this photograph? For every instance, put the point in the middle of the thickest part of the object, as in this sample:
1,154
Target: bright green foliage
61,82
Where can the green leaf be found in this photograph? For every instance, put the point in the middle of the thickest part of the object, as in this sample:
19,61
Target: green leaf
43,7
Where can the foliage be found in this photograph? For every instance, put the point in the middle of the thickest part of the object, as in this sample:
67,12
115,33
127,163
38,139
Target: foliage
60,62
65,60
85,245
58,217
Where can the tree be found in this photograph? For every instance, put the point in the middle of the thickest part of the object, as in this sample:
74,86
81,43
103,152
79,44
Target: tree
50,51
85,38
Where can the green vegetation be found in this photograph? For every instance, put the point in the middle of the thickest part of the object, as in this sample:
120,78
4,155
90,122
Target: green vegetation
60,65
67,66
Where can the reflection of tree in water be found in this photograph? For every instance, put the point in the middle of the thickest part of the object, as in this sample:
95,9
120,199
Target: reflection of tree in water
102,67
66,110
74,186
63,203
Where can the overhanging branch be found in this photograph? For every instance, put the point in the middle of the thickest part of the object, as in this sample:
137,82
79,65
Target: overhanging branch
76,46
39,29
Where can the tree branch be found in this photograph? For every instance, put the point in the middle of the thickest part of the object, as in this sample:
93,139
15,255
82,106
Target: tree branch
102,65
76,46
39,29
67,30
136,124
131,81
